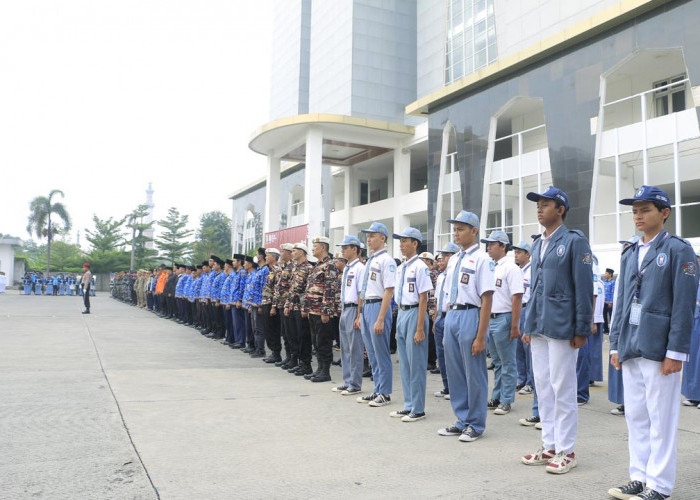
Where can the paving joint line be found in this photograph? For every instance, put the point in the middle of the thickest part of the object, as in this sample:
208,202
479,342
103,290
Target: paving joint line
119,409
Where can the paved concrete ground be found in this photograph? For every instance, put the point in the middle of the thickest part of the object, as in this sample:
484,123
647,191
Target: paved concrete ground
122,404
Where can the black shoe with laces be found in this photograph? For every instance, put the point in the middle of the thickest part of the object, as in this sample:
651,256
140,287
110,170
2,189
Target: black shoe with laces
649,494
630,489
493,404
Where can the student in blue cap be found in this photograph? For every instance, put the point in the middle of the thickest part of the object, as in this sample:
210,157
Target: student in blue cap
375,301
691,369
411,295
469,285
650,339
441,300
351,348
504,329
557,324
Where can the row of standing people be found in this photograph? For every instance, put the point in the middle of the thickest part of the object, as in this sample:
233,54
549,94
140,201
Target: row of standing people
546,307
57,284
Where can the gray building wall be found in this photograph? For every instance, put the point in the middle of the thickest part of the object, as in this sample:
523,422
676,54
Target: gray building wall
289,86
363,58
569,85
430,57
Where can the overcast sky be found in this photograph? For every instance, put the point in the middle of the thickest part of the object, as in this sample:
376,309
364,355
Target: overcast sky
97,98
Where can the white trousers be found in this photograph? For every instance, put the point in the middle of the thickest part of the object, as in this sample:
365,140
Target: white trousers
554,369
652,411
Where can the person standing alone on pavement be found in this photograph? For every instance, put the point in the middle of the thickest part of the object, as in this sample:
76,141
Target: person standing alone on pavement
86,282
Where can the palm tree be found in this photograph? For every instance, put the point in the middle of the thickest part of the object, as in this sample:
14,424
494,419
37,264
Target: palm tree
39,221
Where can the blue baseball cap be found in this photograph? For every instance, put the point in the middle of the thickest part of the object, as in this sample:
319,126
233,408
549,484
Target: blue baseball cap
450,248
632,241
410,232
649,193
552,193
498,235
350,240
377,227
466,218
524,246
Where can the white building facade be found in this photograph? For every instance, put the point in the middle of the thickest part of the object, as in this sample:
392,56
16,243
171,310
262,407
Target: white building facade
407,112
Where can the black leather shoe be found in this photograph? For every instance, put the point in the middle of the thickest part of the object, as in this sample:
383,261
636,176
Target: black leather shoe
435,371
85,312
337,363
304,369
257,354
322,377
282,362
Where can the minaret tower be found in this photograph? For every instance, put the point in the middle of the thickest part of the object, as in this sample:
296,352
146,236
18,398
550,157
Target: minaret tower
149,202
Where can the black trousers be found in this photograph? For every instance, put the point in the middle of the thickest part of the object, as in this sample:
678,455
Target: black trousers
271,327
323,335
607,311
249,332
86,297
432,354
303,337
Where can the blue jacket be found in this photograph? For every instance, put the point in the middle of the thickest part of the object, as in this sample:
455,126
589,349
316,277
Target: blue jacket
667,294
561,297
238,288
197,287
225,295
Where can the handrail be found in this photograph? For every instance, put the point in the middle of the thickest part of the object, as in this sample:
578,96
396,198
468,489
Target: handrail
519,133
657,89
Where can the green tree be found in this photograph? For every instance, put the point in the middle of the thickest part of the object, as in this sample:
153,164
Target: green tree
41,210
173,240
141,255
213,236
107,235
33,253
65,256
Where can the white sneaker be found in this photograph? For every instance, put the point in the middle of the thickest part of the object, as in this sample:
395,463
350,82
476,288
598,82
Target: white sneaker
440,394
367,398
380,400
413,417
350,392
447,397
620,410
561,463
538,426
525,390
340,388
540,457
399,413
503,409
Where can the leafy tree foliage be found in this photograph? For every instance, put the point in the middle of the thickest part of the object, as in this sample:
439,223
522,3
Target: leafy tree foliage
41,211
141,255
213,236
173,239
107,235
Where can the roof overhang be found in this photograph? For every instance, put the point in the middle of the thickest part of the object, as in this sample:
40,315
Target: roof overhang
347,140
603,21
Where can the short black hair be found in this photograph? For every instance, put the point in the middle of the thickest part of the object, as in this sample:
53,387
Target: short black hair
660,207
560,204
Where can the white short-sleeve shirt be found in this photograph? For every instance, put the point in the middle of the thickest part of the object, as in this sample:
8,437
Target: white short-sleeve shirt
599,292
527,275
473,271
508,282
381,274
440,293
352,281
416,280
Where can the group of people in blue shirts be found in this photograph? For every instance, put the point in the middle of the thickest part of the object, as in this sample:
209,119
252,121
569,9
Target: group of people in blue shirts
53,284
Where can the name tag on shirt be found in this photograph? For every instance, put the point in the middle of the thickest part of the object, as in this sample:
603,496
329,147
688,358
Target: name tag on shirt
465,279
349,282
499,282
373,276
411,287
635,313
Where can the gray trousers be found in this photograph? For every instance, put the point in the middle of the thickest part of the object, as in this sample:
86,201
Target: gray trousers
351,349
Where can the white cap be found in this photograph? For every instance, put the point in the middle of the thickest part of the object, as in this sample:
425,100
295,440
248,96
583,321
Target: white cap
272,250
321,239
301,246
427,255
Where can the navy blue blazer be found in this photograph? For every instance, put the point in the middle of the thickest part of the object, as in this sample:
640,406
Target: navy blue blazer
667,294
561,297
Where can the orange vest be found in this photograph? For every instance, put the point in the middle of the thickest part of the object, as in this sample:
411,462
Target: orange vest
160,284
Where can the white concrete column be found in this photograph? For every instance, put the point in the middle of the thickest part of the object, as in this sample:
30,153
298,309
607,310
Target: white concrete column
272,195
313,201
349,189
402,186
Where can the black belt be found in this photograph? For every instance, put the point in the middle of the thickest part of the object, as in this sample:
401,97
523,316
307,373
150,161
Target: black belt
460,307
525,304
496,315
350,304
372,301
441,315
406,308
